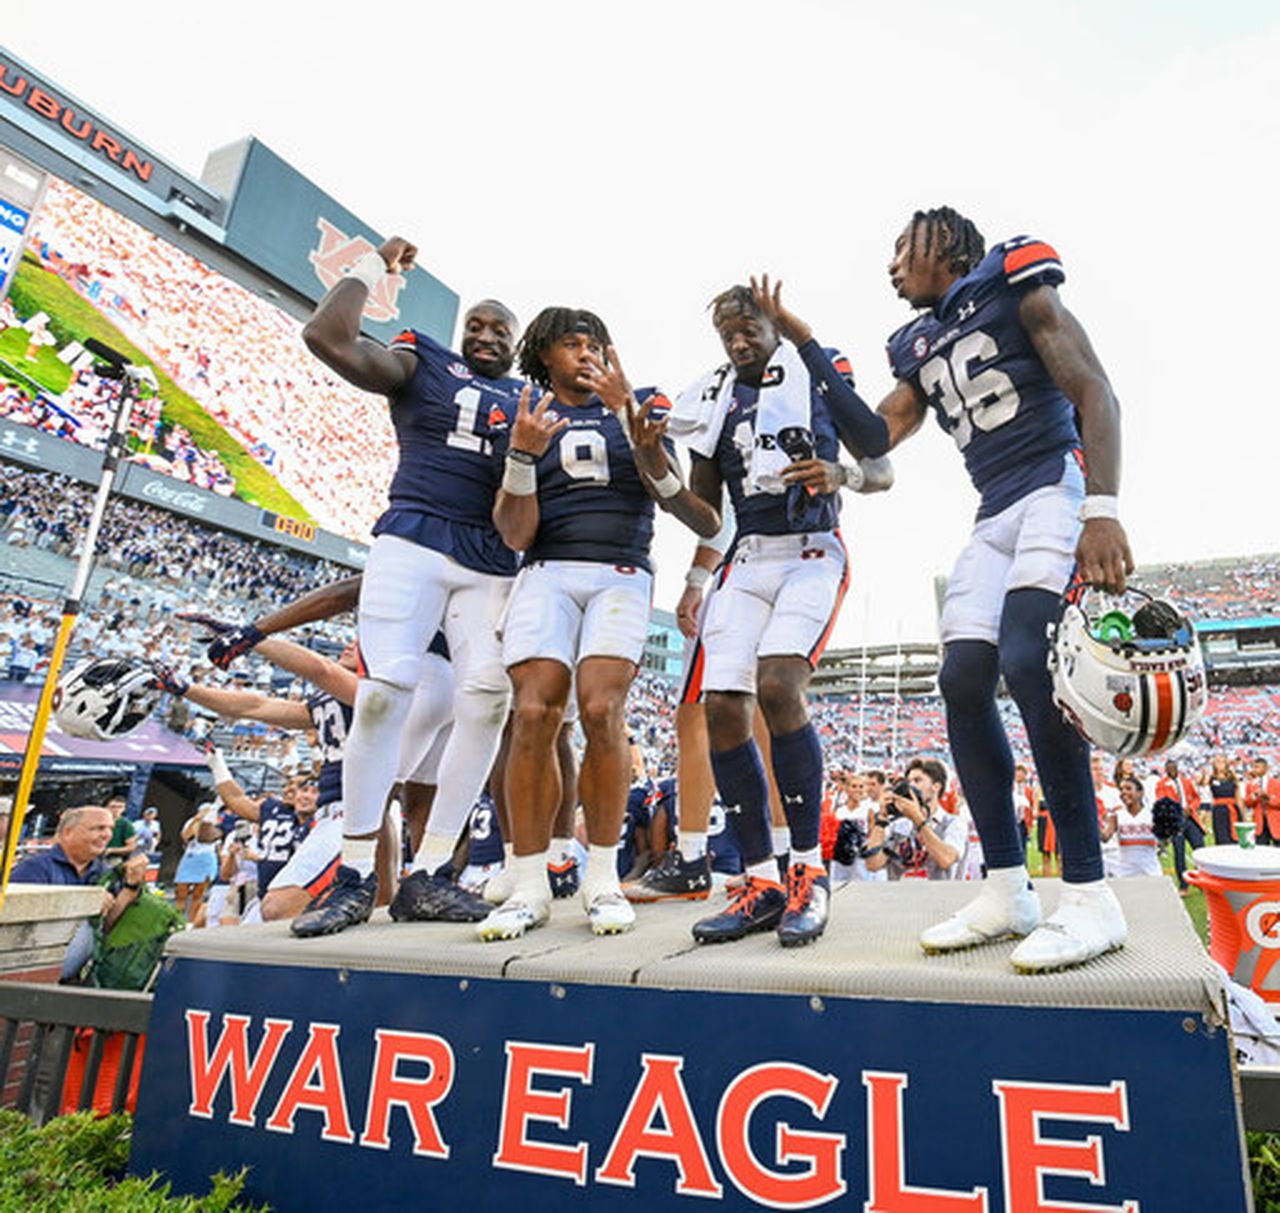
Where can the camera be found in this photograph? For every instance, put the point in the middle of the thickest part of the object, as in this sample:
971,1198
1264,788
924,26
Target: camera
907,791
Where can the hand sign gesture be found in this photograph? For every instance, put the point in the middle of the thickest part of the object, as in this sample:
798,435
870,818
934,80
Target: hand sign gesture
769,301
609,381
399,255
533,430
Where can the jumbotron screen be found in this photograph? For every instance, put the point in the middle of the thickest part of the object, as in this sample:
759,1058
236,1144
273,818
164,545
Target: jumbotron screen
243,408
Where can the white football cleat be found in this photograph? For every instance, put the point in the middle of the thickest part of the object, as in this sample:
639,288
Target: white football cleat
1006,906
1087,923
609,912
513,918
499,887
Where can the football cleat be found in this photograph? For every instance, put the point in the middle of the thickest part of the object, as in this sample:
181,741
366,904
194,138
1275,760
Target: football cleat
512,919
564,878
433,897
610,913
501,885
347,902
673,878
1003,908
808,905
1087,923
756,905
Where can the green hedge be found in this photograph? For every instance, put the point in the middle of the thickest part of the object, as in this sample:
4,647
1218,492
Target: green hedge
76,1164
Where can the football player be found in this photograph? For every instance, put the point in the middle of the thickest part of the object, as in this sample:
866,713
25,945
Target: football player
764,433
1012,377
582,471
436,562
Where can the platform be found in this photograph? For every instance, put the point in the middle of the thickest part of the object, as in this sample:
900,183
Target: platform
643,1070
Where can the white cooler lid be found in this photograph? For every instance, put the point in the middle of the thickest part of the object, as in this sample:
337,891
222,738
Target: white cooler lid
1239,863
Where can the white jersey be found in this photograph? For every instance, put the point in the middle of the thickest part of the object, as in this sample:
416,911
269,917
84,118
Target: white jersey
1138,847
1109,799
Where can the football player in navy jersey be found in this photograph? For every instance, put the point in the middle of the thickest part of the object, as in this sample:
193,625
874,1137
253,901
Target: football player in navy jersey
1012,377
436,562
764,432
582,471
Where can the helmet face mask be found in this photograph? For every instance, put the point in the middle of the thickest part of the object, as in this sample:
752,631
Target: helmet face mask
105,698
1129,691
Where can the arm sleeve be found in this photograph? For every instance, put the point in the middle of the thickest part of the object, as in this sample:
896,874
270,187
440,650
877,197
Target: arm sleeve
859,426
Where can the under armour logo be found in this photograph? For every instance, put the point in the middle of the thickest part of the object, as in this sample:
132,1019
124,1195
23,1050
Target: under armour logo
337,253
793,799
967,310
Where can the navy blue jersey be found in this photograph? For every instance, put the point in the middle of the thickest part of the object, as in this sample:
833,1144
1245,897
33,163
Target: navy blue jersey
592,504
443,489
332,721
280,833
795,511
639,803
484,835
667,801
721,844
972,360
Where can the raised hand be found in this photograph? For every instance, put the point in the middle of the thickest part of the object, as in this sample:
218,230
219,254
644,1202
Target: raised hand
211,623
168,679
646,438
533,429
609,381
768,299
399,254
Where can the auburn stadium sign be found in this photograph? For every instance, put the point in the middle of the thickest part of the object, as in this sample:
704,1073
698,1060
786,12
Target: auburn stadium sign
522,1094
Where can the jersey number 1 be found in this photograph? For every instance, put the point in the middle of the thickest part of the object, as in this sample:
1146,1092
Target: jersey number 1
986,400
464,433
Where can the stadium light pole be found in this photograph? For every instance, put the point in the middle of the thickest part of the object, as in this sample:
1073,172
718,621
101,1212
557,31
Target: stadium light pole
130,375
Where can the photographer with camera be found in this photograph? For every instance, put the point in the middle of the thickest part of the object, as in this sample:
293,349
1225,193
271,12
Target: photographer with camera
931,840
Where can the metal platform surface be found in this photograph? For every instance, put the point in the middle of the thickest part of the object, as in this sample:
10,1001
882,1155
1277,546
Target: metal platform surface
869,951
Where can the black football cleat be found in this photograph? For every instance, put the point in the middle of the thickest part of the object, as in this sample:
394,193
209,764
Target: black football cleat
434,897
673,878
756,905
347,902
564,878
808,904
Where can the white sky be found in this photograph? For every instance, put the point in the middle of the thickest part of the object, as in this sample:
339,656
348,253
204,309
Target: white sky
637,158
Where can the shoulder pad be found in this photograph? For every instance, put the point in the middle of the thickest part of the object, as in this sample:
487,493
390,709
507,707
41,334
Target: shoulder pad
1026,261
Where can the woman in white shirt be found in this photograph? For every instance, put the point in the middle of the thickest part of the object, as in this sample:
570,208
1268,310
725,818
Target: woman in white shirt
1130,821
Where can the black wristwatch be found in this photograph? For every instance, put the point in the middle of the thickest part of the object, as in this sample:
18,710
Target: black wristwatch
134,887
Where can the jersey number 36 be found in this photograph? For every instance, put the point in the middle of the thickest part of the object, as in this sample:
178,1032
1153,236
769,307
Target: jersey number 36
987,400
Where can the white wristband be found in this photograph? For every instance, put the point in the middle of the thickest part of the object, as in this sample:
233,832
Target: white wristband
697,577
668,486
520,478
218,765
851,476
369,269
1100,505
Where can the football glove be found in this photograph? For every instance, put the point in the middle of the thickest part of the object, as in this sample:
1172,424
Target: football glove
236,642
168,679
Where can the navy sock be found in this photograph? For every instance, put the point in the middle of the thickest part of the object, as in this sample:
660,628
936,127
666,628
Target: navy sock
980,748
797,766
744,789
1061,754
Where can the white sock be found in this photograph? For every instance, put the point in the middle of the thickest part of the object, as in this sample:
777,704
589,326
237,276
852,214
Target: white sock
602,871
1088,886
1009,881
531,878
358,853
781,839
561,852
434,851
693,844
766,869
372,750
811,858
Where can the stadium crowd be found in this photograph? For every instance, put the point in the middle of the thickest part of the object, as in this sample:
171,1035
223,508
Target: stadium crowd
240,357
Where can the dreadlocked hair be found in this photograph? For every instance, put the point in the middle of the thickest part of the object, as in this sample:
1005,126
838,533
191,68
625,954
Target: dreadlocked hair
949,236
737,299
548,327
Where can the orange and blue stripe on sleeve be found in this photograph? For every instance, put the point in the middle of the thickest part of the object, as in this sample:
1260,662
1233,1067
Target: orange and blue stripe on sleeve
404,338
1027,260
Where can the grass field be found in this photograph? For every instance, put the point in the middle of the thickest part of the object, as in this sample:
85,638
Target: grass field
73,319
45,370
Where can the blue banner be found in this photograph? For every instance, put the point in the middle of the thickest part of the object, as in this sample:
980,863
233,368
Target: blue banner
342,1088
